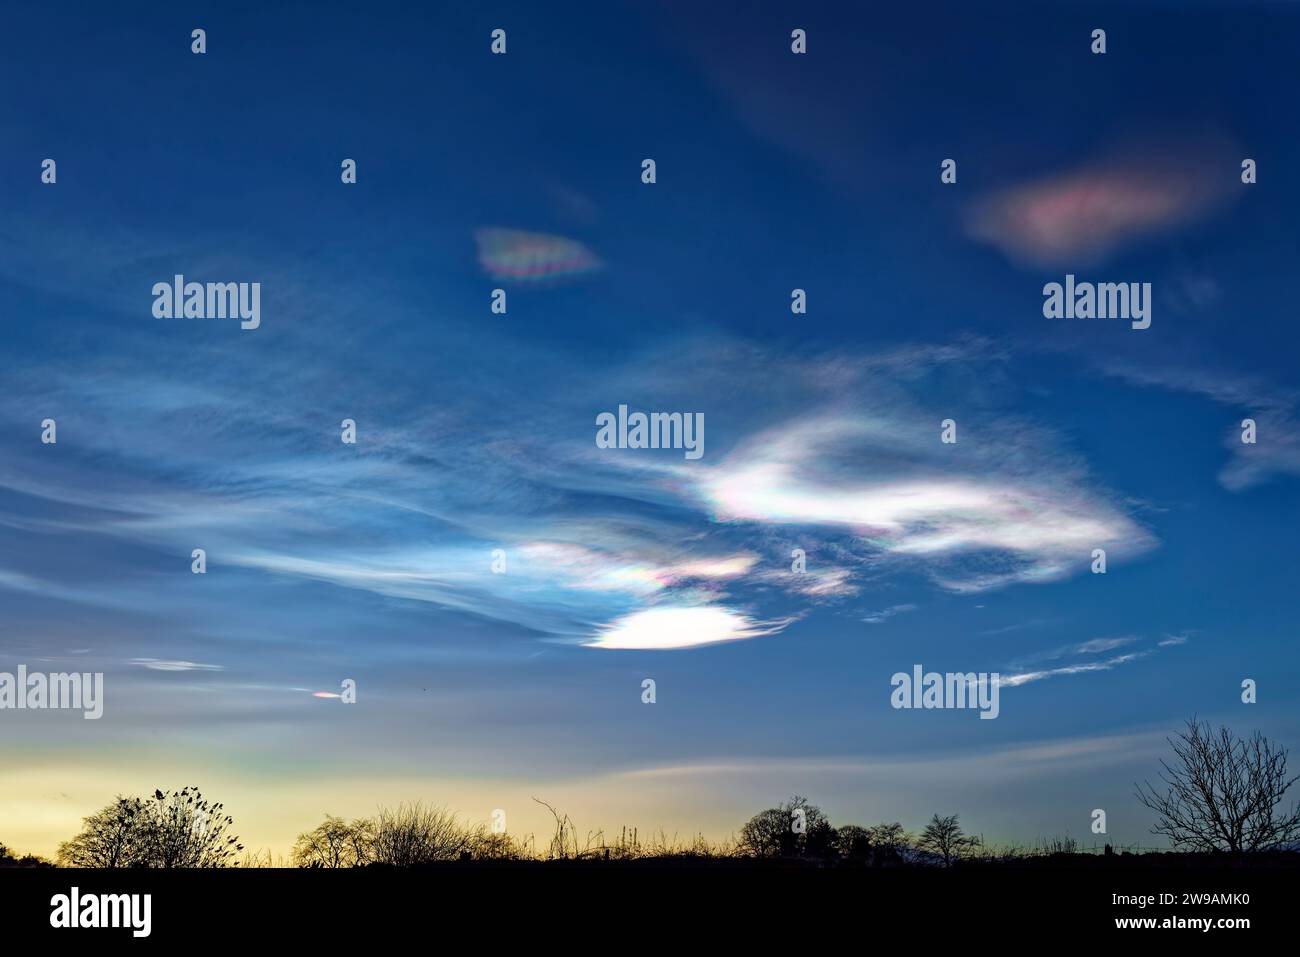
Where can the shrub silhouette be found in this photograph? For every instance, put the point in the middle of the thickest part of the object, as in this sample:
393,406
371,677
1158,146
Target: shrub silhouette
407,836
412,834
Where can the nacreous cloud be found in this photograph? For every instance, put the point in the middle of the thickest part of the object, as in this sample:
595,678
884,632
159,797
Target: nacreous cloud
532,257
1077,217
900,497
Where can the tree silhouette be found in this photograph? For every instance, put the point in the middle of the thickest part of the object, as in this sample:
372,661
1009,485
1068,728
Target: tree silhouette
335,843
853,842
180,829
188,831
888,841
795,828
9,859
1222,793
944,836
115,836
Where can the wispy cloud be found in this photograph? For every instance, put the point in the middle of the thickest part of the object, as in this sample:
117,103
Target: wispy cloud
1019,626
1025,677
158,664
1099,645
879,617
1276,450
1020,672
1094,646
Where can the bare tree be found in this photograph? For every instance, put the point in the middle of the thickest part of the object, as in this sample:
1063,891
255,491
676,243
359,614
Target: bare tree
334,843
179,829
185,830
115,836
888,841
361,837
853,842
944,836
791,829
413,834
1222,793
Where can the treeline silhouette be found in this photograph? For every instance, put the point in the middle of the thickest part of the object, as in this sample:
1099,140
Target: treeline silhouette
9,859
1219,795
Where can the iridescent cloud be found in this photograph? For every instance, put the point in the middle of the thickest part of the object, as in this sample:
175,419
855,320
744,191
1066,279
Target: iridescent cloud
1030,525
512,254
1078,217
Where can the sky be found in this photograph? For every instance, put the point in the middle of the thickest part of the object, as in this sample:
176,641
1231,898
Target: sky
476,431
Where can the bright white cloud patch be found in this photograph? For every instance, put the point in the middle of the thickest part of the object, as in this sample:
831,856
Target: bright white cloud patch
657,629
899,494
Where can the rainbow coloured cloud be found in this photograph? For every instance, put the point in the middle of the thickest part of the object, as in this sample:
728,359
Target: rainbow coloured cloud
532,257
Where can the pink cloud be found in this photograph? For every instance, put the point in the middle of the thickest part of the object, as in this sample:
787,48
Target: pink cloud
1079,217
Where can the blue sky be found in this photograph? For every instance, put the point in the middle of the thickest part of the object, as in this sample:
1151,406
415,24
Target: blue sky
476,431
